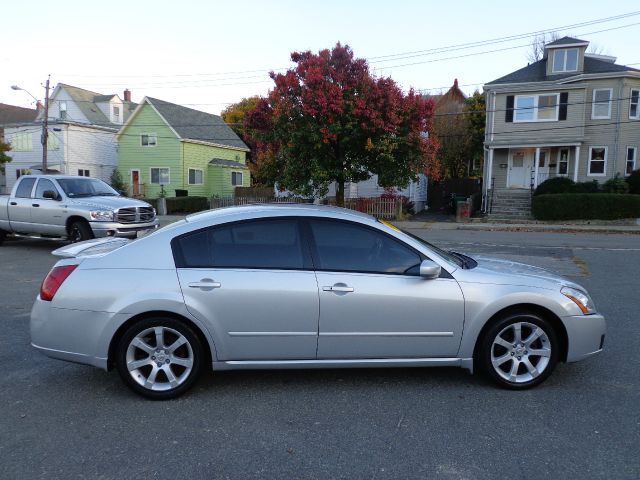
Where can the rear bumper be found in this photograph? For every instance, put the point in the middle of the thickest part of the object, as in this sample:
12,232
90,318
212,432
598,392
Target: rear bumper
586,335
128,230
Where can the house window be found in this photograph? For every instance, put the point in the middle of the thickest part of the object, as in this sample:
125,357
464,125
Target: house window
83,173
53,141
536,108
195,176
601,107
632,154
21,142
634,109
160,176
563,161
116,114
236,178
148,139
565,60
597,161
62,106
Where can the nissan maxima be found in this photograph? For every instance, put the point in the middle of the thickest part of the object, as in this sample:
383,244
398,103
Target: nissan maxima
303,286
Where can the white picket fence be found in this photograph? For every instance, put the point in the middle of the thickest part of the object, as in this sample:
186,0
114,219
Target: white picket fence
388,208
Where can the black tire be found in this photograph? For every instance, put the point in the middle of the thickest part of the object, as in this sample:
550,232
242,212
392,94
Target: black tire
500,353
3,235
136,363
80,231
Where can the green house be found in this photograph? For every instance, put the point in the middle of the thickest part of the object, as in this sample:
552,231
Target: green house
164,146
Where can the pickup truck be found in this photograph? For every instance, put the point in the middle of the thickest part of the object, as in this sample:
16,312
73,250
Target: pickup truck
75,208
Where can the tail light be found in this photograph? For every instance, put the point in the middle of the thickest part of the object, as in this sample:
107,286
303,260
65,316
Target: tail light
54,280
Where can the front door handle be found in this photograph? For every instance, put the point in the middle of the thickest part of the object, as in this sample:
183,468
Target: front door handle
338,288
35,204
13,203
206,284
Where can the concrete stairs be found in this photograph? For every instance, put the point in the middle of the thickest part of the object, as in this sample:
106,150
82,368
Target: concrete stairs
510,205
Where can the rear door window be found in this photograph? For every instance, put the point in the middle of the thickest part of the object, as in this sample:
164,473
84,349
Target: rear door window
263,244
25,187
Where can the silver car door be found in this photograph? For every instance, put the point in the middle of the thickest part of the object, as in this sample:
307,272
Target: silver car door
373,304
46,214
253,285
20,206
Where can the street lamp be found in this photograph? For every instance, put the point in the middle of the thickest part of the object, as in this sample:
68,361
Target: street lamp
45,122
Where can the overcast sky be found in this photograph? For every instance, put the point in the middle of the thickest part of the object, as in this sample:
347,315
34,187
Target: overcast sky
207,54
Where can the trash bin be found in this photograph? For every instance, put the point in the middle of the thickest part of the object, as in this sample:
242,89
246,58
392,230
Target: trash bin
181,193
463,210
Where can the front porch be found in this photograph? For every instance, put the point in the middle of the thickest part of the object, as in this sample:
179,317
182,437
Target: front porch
514,172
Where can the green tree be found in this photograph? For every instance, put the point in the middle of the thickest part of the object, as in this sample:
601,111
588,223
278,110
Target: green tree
476,115
329,120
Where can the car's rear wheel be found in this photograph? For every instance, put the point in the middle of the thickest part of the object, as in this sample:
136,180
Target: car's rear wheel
3,235
519,351
80,231
159,358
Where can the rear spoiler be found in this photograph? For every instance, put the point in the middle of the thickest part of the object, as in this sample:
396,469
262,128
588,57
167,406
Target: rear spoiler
94,247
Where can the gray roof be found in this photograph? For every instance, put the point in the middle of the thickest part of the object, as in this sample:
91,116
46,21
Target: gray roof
566,41
86,101
196,125
226,163
537,72
10,114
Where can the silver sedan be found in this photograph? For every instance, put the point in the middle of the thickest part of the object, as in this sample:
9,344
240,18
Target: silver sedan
303,286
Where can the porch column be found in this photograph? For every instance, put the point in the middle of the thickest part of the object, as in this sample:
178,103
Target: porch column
575,165
488,180
537,164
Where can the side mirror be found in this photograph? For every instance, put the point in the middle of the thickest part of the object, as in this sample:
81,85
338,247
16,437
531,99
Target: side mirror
50,194
429,269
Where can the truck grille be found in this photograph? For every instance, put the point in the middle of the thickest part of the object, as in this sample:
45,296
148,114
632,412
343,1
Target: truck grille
135,215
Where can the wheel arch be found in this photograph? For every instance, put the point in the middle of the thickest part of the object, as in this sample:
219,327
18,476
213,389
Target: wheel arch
113,344
75,218
539,310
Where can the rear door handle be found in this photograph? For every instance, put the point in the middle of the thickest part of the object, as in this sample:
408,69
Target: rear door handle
13,203
206,284
35,204
338,288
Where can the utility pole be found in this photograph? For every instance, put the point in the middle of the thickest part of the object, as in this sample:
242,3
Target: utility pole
45,128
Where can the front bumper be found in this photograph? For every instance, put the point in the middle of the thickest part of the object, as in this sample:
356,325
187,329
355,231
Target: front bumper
128,230
585,334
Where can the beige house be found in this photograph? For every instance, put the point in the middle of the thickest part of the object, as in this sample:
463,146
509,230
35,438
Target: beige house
571,114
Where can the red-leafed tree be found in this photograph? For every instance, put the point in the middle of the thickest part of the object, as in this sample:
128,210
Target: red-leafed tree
329,120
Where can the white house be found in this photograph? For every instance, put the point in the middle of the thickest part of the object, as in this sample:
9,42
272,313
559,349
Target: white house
81,135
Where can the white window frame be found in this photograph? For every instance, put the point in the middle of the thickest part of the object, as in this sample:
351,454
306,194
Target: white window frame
116,116
201,176
626,158
637,104
565,51
159,182
241,179
606,156
593,104
149,135
559,161
62,109
536,99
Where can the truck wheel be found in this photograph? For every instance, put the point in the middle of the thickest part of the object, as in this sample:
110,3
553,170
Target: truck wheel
80,231
3,234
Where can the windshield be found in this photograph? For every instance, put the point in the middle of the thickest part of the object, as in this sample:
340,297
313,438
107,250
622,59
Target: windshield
454,259
85,187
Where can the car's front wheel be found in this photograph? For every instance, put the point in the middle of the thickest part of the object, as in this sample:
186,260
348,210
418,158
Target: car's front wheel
80,231
159,358
519,351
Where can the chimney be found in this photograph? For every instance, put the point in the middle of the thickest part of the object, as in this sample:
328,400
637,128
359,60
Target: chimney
455,83
39,106
127,95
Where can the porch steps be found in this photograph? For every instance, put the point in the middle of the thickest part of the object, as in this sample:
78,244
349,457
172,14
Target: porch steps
510,204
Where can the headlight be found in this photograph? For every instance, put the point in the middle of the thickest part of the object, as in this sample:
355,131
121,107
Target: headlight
102,215
580,298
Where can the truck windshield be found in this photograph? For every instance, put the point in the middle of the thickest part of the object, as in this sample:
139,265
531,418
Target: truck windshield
85,187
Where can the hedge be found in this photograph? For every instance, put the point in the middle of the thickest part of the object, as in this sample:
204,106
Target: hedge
187,204
585,206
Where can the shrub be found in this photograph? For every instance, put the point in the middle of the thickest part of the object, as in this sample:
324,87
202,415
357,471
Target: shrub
591,186
615,185
634,182
585,206
555,185
151,201
187,204
117,182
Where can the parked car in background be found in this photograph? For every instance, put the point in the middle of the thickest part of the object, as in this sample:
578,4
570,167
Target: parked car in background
303,286
77,208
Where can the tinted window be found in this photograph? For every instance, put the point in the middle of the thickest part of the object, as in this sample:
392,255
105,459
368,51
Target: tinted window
25,187
43,186
258,244
353,248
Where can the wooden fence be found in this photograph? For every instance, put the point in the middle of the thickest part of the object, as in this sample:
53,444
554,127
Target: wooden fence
389,208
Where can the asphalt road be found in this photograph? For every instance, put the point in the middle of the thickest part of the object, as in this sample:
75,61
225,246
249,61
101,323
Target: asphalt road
61,420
